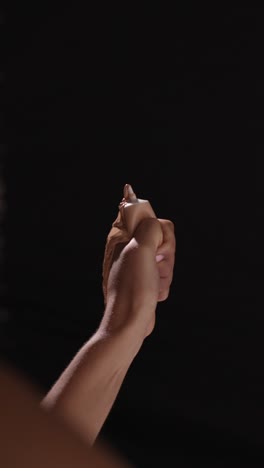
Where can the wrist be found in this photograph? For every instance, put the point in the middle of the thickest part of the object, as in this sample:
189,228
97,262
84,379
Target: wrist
128,314
125,341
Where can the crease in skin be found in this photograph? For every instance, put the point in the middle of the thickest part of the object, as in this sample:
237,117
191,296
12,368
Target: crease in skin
131,211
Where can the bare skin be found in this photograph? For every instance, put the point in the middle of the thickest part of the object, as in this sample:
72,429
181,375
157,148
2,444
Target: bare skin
33,438
86,391
82,397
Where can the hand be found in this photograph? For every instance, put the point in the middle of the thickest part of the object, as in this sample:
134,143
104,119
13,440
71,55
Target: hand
140,276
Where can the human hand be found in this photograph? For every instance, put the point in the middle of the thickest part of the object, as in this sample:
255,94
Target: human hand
141,276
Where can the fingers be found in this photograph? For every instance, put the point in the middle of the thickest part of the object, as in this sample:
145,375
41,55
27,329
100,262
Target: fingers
163,294
159,234
168,245
166,275
129,194
168,251
149,233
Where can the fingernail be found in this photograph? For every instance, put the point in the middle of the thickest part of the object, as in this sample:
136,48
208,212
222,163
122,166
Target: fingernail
159,258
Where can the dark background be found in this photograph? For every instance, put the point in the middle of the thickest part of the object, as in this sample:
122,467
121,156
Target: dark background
170,101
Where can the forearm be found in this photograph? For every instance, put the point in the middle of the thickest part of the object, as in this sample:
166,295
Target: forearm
87,389
33,438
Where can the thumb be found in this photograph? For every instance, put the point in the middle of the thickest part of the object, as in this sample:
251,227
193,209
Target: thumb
149,233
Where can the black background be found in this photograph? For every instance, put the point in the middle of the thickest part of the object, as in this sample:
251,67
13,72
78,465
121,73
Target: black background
170,101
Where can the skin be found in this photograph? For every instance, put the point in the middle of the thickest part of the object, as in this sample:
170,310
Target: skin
70,417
